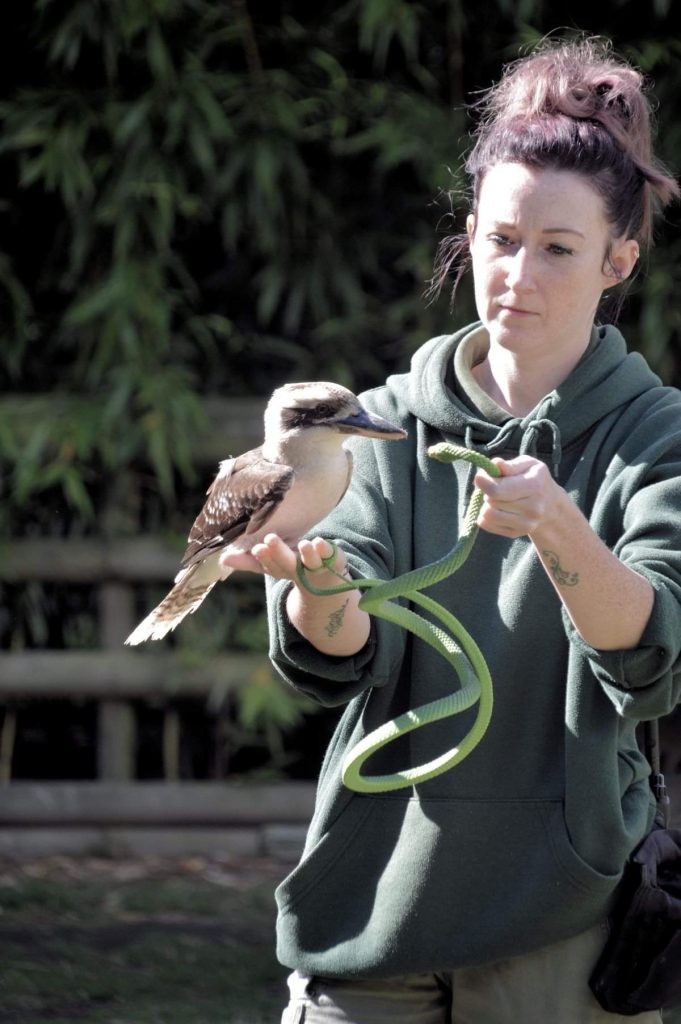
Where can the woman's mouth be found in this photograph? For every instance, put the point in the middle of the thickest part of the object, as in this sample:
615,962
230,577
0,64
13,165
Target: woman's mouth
517,311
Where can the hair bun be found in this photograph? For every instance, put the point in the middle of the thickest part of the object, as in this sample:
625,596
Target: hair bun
570,106
581,80
576,105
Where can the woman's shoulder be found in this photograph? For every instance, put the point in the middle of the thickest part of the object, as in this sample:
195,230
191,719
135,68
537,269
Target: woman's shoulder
390,399
657,405
420,391
649,430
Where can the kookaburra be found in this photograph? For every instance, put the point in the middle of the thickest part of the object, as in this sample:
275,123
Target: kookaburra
286,486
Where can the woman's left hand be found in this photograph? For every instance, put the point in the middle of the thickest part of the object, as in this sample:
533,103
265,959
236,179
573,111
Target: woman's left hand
521,500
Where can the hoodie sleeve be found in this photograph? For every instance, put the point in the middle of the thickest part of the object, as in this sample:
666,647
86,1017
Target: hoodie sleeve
645,682
362,524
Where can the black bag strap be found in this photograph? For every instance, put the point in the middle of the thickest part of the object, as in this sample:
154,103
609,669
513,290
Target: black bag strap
651,740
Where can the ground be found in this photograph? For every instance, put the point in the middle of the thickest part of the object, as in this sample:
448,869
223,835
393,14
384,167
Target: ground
143,941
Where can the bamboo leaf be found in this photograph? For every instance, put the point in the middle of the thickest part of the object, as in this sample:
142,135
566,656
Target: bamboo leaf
159,57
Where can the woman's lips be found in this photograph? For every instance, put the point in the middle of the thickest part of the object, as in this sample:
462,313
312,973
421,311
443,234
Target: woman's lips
516,311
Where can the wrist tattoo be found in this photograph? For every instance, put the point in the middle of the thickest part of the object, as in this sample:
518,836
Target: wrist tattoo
336,619
560,575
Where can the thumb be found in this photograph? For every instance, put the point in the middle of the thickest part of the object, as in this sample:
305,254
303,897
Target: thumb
482,476
515,467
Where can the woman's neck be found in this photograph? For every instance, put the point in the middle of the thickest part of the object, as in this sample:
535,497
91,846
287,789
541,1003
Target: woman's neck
517,384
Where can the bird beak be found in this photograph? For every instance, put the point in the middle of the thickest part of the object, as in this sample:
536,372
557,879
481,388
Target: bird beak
368,424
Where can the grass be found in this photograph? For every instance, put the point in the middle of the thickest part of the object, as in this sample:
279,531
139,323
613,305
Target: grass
101,942
168,948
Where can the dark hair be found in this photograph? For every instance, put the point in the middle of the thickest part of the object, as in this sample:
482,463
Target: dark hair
571,106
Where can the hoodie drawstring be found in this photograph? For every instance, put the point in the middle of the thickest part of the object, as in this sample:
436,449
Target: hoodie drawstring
531,433
530,439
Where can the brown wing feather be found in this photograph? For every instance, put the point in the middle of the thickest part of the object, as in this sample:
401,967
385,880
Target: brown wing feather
253,488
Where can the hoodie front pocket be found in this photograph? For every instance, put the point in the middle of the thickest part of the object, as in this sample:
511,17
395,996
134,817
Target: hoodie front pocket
408,884
322,857
583,875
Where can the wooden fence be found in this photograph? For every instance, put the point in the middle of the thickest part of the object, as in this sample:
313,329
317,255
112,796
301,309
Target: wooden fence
117,813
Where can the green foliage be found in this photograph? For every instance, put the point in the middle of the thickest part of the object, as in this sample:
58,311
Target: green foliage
191,182
203,197
266,711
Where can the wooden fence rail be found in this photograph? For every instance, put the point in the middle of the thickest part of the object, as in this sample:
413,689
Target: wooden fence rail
103,675
123,559
117,813
148,818
155,803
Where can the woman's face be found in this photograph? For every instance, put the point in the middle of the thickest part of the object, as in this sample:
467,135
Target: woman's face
538,243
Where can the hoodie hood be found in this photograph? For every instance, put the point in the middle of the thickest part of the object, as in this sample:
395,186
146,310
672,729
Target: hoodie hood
606,378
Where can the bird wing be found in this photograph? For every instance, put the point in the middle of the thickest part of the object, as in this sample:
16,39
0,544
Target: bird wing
240,500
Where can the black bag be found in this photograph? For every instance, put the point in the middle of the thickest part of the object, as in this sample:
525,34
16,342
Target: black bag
640,966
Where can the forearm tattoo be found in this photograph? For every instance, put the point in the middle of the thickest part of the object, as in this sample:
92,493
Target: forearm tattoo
562,577
336,619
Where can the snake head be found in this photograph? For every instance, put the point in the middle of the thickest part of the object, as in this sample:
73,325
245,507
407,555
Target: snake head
445,451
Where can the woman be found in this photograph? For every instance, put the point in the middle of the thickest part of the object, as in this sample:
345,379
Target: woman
482,895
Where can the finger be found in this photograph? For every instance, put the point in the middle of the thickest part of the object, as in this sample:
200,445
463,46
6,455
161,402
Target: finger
500,508
521,466
517,465
316,553
500,488
240,560
276,558
273,547
515,520
323,547
309,556
486,481
502,524
510,489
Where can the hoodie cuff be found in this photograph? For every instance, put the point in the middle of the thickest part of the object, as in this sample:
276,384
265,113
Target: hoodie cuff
330,680
641,666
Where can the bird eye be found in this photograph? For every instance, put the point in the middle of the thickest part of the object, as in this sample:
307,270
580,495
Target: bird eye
324,409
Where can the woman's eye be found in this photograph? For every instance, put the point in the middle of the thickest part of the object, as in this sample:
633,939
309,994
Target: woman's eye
501,240
560,250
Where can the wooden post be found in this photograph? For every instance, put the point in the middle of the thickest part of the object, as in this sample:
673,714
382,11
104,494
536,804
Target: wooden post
7,737
116,724
116,746
171,744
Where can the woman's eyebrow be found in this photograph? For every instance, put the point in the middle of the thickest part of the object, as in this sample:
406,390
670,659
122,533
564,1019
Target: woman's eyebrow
509,226
562,231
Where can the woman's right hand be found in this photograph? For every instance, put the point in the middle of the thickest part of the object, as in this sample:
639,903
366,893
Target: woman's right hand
333,623
275,558
280,561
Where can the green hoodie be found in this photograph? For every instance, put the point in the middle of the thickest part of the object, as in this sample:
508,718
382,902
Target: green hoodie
522,844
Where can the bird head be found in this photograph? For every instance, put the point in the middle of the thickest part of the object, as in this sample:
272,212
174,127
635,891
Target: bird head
295,407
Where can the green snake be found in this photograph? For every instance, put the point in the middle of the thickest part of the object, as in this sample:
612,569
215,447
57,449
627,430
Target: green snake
448,637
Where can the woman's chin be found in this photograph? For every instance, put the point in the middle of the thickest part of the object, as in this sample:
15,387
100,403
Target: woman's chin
512,336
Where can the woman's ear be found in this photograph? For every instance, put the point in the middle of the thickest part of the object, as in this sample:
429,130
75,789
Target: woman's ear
470,227
622,260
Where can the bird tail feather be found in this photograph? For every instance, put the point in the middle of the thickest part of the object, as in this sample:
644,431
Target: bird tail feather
184,598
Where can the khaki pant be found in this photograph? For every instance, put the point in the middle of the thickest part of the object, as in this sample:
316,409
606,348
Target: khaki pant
549,986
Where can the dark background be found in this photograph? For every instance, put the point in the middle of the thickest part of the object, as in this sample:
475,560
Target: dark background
201,199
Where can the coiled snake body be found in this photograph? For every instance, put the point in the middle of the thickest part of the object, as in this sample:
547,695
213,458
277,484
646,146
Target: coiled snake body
448,637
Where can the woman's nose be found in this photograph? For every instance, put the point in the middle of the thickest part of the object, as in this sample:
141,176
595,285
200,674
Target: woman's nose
520,272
